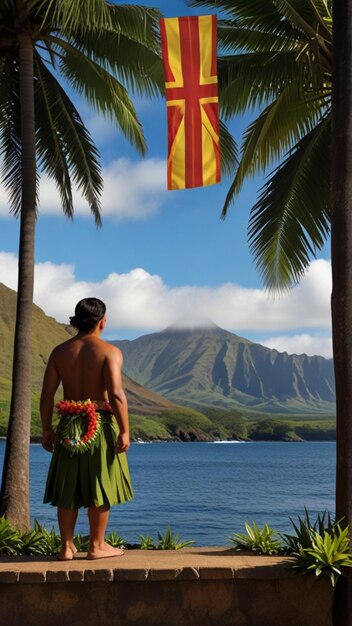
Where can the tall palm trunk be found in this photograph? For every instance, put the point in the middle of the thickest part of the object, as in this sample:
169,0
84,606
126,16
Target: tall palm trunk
14,502
341,256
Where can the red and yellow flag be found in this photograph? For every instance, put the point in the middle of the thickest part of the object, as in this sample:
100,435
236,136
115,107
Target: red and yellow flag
189,55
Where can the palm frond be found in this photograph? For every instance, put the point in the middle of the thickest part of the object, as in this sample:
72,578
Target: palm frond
252,80
250,12
303,14
133,62
10,133
323,14
69,15
229,150
51,150
103,92
234,36
130,47
274,132
138,23
290,220
274,16
72,141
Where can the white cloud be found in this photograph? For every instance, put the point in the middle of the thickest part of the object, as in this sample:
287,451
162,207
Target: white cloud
132,190
300,344
138,300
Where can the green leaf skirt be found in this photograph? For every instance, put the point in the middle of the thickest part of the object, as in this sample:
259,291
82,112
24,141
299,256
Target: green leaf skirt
96,477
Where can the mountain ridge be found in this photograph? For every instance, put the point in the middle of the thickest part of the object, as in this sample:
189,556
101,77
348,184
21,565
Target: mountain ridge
214,367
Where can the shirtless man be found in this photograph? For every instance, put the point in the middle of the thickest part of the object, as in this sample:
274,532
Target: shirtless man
89,368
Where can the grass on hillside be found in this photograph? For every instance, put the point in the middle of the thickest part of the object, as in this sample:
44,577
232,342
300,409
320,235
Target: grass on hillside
188,424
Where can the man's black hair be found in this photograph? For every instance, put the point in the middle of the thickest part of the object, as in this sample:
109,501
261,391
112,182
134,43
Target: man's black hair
88,313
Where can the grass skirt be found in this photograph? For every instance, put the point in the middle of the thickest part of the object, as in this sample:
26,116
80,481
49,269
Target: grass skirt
96,477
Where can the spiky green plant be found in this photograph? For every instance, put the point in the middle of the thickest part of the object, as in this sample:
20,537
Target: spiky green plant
48,540
34,543
146,542
113,539
81,542
171,541
329,552
10,538
263,541
304,530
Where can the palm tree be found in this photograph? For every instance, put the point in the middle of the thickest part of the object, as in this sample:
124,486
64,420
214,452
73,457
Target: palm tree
279,59
100,50
341,258
276,62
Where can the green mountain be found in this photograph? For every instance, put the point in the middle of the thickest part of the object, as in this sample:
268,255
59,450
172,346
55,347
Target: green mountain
46,334
210,366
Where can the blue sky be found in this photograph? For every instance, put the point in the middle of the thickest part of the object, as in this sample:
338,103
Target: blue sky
162,256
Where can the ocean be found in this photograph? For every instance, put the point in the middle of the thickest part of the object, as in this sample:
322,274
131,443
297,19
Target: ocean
207,491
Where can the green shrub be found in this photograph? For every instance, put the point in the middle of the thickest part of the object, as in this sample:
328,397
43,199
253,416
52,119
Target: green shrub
81,542
114,540
304,529
147,542
171,541
48,541
272,430
10,538
327,554
143,427
264,541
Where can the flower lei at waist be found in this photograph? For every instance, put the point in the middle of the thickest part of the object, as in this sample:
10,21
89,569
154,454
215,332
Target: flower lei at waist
81,424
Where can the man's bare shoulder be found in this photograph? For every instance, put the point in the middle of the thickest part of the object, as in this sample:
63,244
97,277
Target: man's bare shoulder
62,347
111,350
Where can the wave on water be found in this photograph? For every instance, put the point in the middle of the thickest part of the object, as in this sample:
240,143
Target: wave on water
139,441
228,441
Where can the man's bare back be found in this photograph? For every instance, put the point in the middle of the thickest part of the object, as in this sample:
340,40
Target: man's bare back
84,366
88,367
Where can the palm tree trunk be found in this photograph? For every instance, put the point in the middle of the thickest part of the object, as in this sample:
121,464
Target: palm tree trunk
14,499
341,257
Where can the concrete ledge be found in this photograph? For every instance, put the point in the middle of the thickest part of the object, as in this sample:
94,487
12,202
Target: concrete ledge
190,587
137,565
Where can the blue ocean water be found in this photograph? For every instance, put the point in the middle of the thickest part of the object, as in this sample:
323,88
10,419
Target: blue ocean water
206,491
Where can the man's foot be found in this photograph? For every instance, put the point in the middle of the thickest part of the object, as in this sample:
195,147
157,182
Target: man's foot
66,553
104,552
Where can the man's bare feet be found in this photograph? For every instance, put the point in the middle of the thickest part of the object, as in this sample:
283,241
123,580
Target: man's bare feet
104,551
66,553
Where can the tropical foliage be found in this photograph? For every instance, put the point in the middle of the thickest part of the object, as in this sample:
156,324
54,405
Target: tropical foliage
10,538
171,541
275,63
263,541
40,541
303,529
100,55
328,553
319,547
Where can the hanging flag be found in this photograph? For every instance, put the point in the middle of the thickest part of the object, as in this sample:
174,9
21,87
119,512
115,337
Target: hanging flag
189,56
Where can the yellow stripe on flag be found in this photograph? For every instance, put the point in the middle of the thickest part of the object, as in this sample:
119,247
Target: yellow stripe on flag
176,160
206,52
174,47
209,137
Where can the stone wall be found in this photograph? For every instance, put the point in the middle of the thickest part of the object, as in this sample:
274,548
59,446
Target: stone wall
194,587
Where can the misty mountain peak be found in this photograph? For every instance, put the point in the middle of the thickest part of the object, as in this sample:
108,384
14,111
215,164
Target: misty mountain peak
191,323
